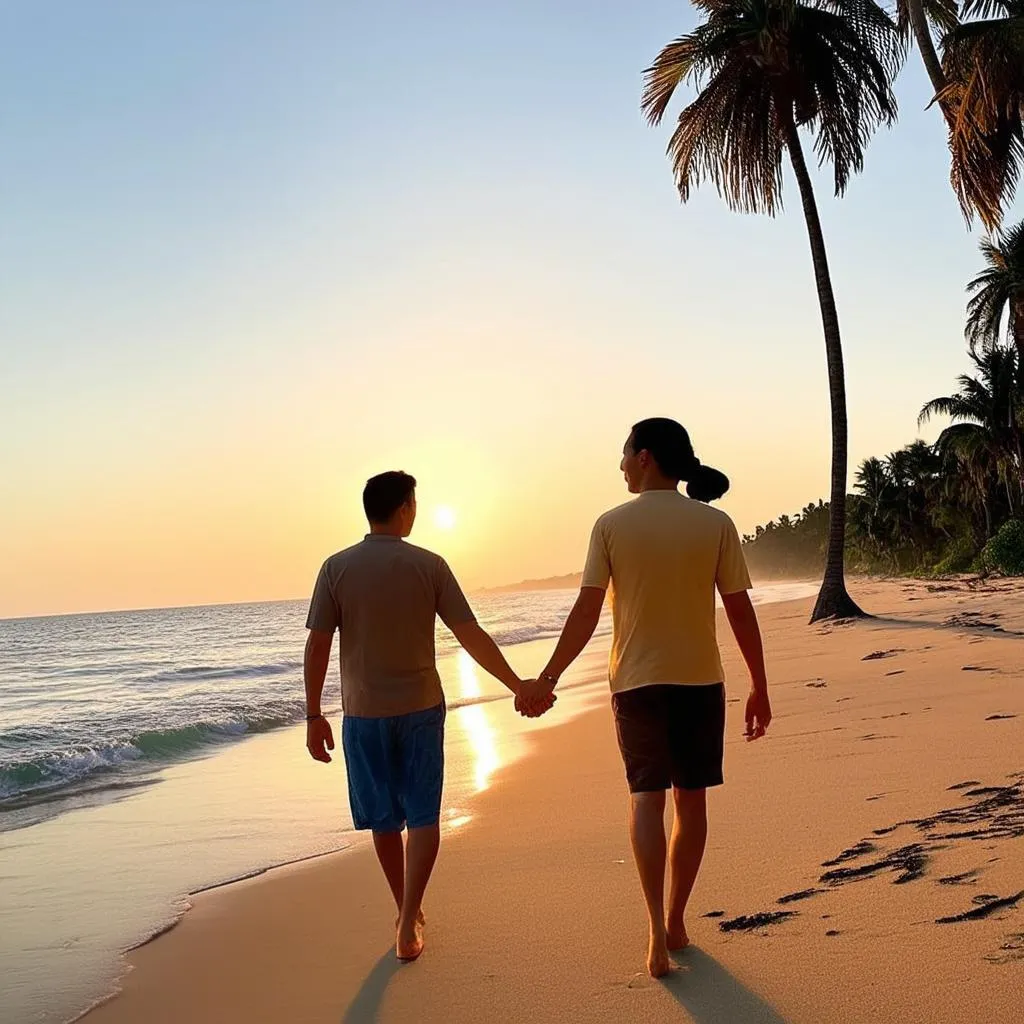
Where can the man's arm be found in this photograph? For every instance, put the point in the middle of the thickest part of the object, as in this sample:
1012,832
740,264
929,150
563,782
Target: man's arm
319,738
576,633
485,652
743,620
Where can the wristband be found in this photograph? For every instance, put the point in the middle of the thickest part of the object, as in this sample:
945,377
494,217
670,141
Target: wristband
313,718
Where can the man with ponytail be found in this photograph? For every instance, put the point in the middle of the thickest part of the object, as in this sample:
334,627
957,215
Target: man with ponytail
663,555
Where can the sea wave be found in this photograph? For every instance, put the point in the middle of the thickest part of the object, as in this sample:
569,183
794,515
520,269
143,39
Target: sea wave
46,771
189,673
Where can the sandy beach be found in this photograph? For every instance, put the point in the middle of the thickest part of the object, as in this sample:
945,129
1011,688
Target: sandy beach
881,824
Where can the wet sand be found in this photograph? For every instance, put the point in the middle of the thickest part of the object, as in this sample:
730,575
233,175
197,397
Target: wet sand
865,861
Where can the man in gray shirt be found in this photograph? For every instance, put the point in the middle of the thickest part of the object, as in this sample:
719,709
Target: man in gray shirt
383,595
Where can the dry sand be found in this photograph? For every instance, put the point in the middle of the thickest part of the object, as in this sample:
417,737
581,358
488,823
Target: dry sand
891,786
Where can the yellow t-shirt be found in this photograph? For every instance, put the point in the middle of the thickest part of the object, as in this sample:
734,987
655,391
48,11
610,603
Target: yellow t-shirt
664,554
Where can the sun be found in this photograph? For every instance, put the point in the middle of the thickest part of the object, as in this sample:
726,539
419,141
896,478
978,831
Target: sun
444,517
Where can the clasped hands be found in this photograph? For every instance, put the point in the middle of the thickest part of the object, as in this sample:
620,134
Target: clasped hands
534,697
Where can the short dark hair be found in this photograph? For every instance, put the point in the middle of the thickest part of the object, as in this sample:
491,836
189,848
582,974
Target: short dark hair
386,493
670,447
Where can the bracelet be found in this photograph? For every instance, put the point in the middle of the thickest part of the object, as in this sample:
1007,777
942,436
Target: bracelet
313,718
547,677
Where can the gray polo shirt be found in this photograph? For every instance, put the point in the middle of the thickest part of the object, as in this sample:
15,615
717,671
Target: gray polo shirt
383,595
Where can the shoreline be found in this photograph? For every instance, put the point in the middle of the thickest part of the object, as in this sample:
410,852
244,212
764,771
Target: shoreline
843,777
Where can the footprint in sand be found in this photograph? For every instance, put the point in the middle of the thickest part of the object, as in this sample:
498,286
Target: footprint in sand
1011,950
998,718
878,655
642,980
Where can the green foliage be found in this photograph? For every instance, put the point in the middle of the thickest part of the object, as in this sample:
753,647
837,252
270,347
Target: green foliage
959,557
790,547
1005,551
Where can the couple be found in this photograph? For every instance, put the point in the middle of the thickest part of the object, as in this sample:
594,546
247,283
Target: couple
662,554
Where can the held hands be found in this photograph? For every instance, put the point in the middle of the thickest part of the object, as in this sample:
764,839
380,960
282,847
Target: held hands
319,739
534,697
759,714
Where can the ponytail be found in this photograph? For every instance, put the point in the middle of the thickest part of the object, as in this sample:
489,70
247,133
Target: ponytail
670,447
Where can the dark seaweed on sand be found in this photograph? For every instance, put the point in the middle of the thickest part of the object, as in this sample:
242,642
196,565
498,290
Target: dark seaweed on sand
793,897
908,861
748,922
982,910
851,854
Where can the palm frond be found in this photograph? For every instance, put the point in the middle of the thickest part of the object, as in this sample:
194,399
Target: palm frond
761,65
988,8
998,290
984,104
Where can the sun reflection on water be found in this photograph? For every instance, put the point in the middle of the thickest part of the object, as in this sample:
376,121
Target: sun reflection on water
475,722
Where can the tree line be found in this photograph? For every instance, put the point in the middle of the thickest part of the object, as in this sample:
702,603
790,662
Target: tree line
953,506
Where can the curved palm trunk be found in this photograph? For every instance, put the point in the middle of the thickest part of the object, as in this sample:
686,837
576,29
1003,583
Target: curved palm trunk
926,45
833,600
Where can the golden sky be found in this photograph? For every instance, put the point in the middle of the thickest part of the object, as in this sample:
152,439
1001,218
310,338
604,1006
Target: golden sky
244,266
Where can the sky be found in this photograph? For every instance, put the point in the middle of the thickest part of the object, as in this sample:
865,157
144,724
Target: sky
254,252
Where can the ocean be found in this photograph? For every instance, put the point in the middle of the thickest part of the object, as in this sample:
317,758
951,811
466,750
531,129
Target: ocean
145,756
90,703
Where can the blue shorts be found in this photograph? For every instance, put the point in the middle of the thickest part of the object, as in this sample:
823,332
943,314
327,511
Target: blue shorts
395,769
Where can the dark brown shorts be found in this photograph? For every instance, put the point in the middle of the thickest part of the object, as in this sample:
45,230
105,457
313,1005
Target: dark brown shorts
671,735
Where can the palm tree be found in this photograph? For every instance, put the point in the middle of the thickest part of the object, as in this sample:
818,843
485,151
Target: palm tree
914,475
988,415
998,293
765,69
970,469
873,483
983,97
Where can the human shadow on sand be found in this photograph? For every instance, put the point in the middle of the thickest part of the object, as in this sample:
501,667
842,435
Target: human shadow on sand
365,1007
711,995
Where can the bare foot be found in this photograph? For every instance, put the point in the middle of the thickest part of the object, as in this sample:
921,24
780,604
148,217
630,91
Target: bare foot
409,944
676,936
658,963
